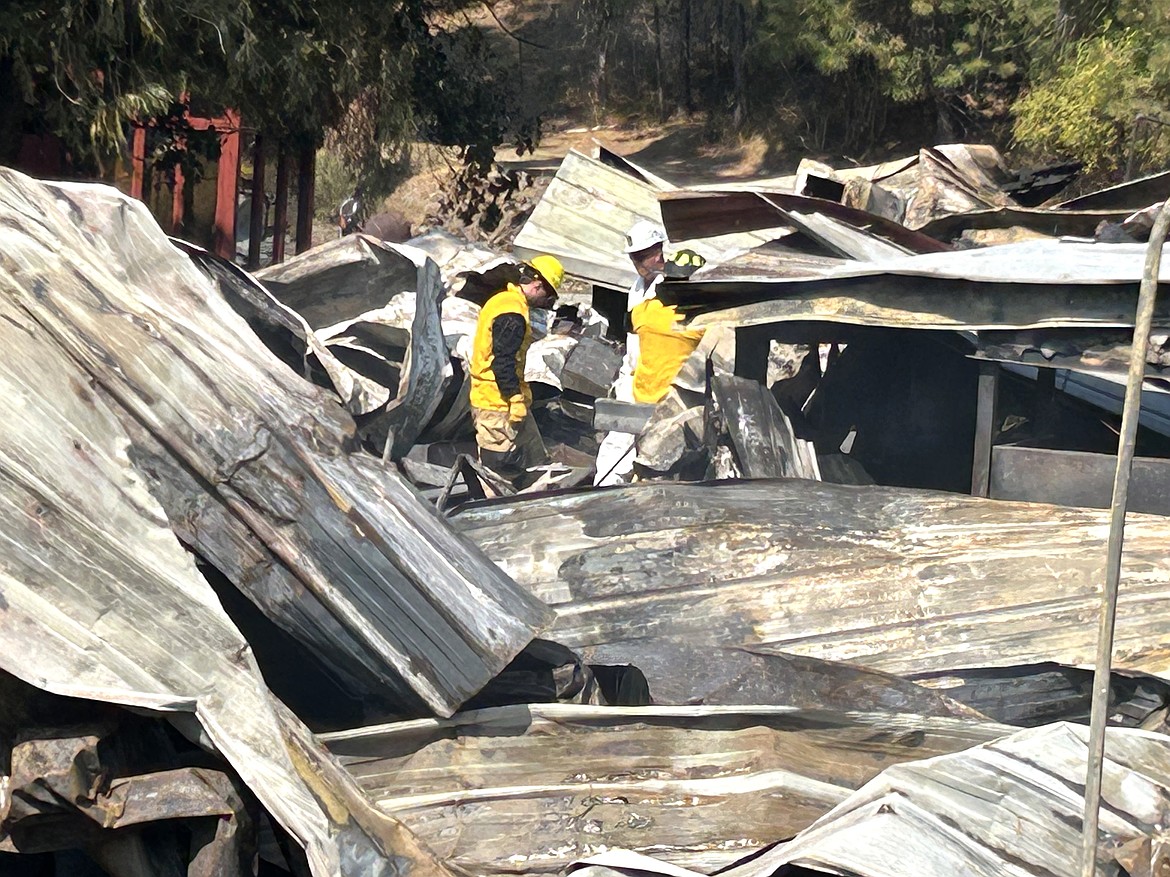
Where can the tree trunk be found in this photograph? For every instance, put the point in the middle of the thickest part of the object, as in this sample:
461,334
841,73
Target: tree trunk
688,97
658,93
602,90
738,66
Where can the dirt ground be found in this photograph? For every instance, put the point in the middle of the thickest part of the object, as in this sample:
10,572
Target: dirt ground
675,150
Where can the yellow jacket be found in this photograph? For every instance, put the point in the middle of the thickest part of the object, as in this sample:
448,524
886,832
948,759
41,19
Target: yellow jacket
662,349
485,392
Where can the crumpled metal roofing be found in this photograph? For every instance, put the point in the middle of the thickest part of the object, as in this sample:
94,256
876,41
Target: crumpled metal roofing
344,278
110,333
527,789
1024,285
584,215
905,581
1010,807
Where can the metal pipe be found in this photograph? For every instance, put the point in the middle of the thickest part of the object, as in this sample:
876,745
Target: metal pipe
1129,423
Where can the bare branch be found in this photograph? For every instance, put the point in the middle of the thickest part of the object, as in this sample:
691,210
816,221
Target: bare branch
492,12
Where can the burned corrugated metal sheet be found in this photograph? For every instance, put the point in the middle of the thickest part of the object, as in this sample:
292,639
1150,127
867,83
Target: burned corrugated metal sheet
344,278
400,347
584,215
1128,196
761,435
1012,806
1102,351
285,332
1053,222
1030,284
85,265
679,673
899,580
97,598
697,214
623,163
527,789
1076,478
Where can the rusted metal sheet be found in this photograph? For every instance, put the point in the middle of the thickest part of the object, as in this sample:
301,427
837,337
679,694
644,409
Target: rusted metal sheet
1012,806
697,785
77,788
898,580
695,214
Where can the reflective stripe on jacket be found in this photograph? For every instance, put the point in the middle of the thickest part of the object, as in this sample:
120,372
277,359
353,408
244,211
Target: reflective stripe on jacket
662,349
485,393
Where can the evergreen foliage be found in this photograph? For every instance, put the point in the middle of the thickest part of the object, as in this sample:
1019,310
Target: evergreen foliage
1069,76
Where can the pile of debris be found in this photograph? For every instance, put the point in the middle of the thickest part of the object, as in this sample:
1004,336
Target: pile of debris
253,614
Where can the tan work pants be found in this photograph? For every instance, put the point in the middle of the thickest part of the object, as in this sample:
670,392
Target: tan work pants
506,446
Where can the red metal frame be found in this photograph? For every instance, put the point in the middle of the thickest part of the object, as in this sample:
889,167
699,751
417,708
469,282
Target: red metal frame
227,127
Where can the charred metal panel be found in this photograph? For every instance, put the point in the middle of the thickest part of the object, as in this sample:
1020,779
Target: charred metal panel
1076,478
699,785
1012,806
904,581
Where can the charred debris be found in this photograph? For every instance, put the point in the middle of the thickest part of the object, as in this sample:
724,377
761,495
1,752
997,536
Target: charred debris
264,612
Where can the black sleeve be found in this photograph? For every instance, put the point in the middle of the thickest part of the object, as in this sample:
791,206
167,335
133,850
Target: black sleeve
507,337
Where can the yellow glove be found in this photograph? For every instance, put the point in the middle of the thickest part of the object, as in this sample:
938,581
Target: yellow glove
517,408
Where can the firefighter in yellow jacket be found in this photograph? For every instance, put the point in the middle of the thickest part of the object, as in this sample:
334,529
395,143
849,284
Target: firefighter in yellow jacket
656,346
508,439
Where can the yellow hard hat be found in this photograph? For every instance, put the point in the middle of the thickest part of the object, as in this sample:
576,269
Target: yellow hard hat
550,269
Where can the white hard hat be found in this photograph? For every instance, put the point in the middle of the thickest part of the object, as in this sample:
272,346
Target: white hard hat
643,235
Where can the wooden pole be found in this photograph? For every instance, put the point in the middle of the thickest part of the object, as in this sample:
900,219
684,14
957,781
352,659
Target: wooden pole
227,184
177,206
256,218
280,219
138,163
306,185
984,428
1130,412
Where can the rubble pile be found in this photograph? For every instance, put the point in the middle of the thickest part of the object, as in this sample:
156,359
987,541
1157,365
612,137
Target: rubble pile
264,610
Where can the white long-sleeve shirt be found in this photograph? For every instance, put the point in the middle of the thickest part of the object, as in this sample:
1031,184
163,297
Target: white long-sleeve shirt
623,387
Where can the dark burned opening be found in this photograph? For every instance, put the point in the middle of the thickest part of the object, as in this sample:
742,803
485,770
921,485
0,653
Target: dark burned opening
898,407
897,404
293,672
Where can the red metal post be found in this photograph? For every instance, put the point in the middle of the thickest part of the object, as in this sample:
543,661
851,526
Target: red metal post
223,240
177,206
256,219
138,162
306,185
280,219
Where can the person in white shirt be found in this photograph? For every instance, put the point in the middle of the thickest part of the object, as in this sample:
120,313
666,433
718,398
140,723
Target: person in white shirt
644,246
